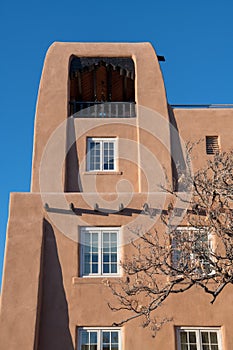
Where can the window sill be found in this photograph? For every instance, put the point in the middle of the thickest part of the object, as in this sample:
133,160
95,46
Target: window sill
184,279
94,280
103,172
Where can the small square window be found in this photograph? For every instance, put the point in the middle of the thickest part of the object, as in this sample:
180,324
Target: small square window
189,338
101,154
212,144
99,251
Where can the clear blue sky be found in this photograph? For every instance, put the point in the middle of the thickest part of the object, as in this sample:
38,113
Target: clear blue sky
196,37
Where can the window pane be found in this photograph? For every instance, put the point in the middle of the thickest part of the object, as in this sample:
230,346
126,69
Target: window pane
93,337
106,165
86,268
114,268
113,258
94,257
87,247
84,337
105,258
91,254
106,144
192,337
95,242
184,347
183,337
214,347
95,249
92,145
213,338
97,147
94,268
204,337
113,236
109,254
84,347
105,237
93,347
111,165
114,243
106,347
87,238
113,248
106,337
105,268
106,244
87,258
105,156
94,155
106,247
114,337
205,347
94,237
108,156
193,347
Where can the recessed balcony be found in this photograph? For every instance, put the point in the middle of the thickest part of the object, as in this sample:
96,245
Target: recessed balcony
102,87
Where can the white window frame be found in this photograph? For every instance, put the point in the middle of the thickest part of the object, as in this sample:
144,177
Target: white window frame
209,240
100,231
102,140
198,331
99,331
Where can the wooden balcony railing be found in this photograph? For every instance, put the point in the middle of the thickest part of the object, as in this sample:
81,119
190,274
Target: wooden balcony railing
102,109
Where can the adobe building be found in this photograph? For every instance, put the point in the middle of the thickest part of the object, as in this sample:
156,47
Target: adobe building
105,139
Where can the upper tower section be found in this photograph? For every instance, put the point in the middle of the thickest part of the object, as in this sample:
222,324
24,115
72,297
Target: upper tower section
98,80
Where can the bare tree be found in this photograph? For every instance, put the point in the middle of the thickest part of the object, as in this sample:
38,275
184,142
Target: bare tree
172,259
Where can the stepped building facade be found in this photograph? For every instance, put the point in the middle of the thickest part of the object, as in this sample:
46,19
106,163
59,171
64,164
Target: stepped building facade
105,139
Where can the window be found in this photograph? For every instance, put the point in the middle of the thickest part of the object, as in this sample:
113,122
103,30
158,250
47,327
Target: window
198,338
99,251
212,144
101,154
99,339
192,250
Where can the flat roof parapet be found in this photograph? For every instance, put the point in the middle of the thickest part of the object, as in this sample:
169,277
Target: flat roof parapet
228,105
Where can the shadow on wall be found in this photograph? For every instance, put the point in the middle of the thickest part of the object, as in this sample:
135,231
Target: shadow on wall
72,179
54,330
178,163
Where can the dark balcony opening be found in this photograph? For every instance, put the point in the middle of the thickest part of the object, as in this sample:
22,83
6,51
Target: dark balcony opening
102,87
